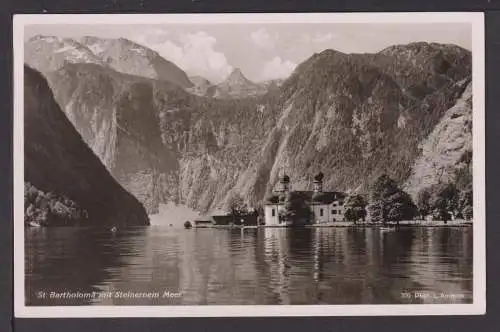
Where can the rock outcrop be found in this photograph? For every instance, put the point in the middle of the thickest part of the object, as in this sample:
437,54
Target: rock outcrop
61,171
447,149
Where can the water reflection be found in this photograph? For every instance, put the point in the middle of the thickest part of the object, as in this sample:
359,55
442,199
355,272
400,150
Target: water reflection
250,266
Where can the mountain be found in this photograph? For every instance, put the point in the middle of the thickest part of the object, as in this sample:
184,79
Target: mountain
201,87
351,116
127,57
236,85
48,53
64,180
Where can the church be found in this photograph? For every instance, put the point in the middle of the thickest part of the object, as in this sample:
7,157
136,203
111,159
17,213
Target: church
323,206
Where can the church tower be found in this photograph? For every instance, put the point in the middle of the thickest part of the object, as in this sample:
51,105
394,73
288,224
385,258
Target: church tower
318,183
284,183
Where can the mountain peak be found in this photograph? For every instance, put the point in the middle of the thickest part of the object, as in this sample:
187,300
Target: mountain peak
236,74
236,71
237,78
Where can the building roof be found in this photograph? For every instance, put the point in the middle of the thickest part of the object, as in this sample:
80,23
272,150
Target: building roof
325,197
203,219
223,220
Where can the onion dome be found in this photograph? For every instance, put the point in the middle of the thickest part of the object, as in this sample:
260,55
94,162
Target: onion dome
318,177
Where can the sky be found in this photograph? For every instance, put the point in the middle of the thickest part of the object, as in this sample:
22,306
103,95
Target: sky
261,51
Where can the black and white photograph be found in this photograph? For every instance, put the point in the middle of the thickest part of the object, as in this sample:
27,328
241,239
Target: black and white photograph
249,164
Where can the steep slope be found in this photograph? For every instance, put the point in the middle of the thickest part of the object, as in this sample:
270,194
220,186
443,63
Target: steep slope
128,57
352,116
116,114
236,85
447,149
57,161
49,53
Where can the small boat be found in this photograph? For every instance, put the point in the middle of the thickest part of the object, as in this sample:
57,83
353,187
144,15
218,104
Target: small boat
386,229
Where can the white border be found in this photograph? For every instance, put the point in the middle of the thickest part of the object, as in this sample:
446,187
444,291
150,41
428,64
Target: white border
479,240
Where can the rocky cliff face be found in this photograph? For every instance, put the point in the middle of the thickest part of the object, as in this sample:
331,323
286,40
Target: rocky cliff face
119,118
448,148
62,168
352,116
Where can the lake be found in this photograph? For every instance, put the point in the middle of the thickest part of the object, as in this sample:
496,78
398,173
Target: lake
161,265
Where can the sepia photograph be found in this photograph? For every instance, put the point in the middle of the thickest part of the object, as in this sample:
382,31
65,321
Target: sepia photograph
249,164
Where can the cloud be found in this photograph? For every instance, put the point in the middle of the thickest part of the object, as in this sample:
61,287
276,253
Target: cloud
154,36
262,38
277,68
317,38
323,38
193,52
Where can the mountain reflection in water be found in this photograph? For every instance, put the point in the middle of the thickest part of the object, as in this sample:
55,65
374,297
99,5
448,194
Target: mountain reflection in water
250,266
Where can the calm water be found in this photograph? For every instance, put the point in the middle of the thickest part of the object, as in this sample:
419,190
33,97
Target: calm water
250,266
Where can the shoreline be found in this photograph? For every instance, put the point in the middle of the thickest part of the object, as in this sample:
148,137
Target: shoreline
408,223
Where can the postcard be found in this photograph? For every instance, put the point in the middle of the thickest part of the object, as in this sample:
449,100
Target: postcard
202,165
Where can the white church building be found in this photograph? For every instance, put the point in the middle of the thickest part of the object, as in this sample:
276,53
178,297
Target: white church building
325,206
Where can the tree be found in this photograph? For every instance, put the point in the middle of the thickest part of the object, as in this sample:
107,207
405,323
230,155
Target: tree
467,212
388,202
259,214
237,207
355,208
400,207
383,186
444,201
295,209
259,210
376,209
465,202
423,202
